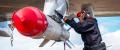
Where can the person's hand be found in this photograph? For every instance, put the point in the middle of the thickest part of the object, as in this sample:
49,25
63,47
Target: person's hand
82,17
64,19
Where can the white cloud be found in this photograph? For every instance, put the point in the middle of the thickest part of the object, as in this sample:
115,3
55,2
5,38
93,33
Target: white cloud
113,40
103,29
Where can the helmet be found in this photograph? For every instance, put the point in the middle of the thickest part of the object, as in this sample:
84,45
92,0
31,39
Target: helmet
30,21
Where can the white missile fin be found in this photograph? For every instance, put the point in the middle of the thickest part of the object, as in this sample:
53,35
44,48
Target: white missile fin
65,41
67,44
71,43
53,44
44,42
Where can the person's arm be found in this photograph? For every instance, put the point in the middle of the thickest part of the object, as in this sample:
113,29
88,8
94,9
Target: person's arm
87,25
71,22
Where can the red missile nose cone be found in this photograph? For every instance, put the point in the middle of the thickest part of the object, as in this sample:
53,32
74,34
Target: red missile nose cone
30,21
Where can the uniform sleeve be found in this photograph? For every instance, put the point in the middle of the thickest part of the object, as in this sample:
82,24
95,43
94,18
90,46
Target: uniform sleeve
87,25
71,22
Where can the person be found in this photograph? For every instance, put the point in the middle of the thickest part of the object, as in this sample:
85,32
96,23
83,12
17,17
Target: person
88,28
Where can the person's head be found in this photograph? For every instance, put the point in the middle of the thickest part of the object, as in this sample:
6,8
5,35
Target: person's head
80,14
88,9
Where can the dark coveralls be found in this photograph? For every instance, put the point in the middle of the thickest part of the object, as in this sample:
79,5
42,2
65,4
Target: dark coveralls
89,32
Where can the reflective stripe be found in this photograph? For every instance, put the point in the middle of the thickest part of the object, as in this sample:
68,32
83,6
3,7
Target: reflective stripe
91,28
